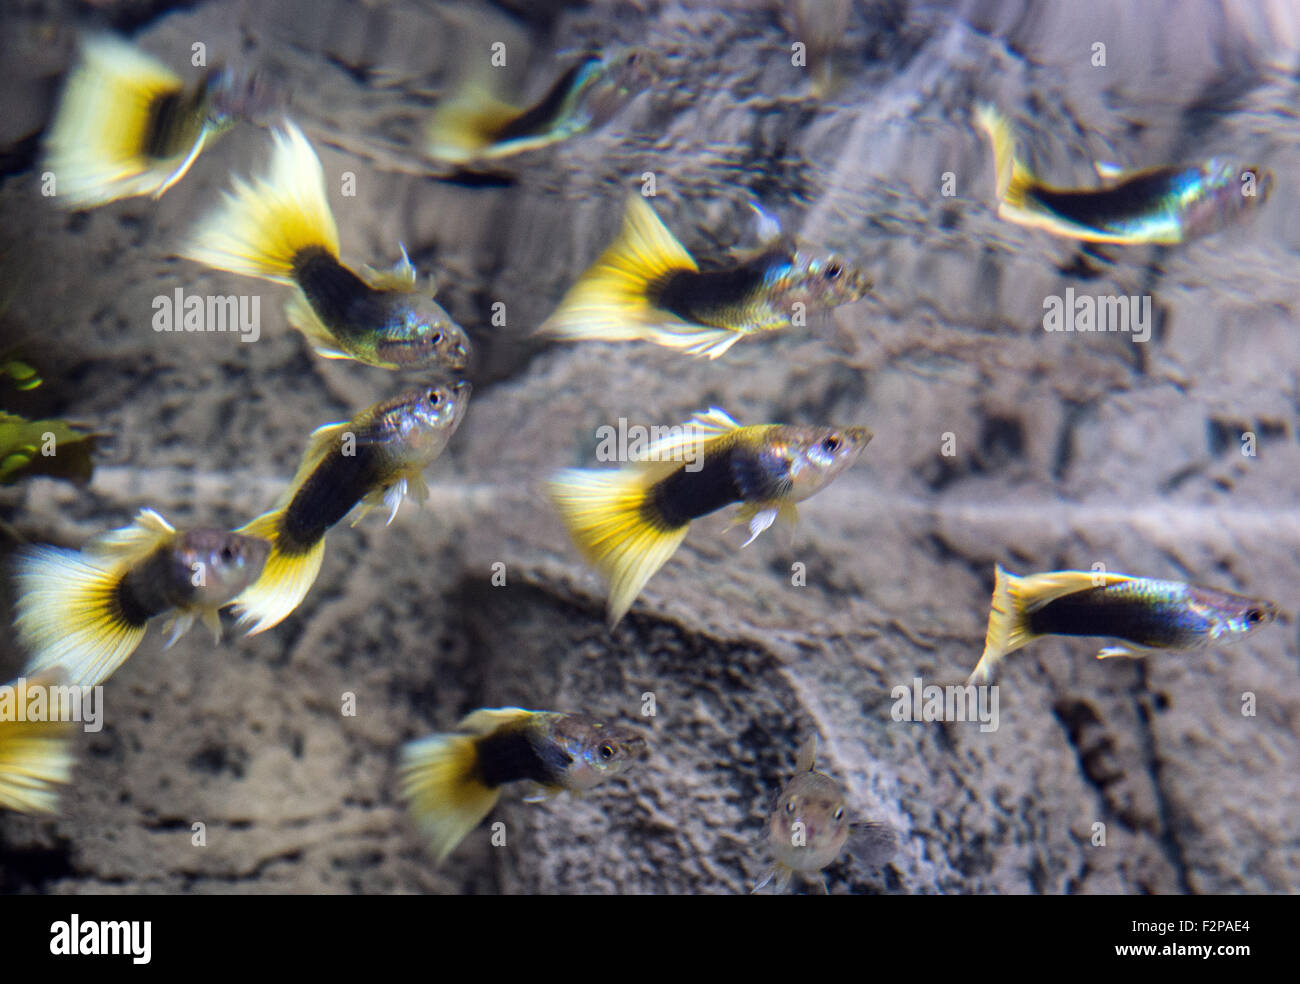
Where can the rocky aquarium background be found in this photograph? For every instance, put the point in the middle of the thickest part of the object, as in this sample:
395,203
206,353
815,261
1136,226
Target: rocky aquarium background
1070,450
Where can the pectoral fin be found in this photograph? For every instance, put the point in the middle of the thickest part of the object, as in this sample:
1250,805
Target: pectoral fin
1131,651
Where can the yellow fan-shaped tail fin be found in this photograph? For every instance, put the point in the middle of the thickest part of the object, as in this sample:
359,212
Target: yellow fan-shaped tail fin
68,615
439,782
609,302
605,514
35,759
285,580
98,142
261,226
465,125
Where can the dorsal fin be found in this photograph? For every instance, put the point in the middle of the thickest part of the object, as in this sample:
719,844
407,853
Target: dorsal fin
132,543
807,754
486,720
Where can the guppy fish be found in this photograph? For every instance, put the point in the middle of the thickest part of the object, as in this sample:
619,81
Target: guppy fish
1145,614
627,522
373,459
809,827
126,125
280,229
473,125
1169,204
35,759
83,613
647,287
452,781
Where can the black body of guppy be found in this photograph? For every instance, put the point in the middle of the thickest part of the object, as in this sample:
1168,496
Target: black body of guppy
175,119
345,303
1112,208
742,471
536,120
1155,623
713,297
337,484
514,753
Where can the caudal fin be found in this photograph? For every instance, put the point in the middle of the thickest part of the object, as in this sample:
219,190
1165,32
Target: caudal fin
605,514
438,776
1008,626
262,225
98,145
610,302
35,759
465,125
285,580
69,617
1013,177
1017,598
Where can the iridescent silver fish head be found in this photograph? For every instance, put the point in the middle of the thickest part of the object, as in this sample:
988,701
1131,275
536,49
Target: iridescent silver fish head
217,564
618,78
424,337
827,280
599,750
1229,616
426,419
1229,191
809,825
235,94
817,455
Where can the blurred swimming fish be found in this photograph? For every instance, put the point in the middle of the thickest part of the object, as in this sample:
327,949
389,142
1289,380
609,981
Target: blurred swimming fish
809,827
83,613
126,125
1144,614
1169,204
35,759
473,125
647,287
627,522
280,229
373,459
821,25
452,781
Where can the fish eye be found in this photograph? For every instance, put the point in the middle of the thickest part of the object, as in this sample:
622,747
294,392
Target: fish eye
833,271
437,338
1254,616
831,444
789,806
434,397
607,751
227,553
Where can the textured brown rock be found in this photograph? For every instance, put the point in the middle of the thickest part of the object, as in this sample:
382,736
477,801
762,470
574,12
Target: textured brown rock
1070,450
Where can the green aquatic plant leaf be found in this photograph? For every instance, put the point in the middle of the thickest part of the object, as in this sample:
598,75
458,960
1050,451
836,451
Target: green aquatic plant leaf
44,447
23,376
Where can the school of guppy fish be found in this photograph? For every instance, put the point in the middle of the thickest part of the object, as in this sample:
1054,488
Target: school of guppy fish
128,126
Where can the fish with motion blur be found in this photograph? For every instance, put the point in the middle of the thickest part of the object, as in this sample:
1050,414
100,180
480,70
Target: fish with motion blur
126,125
627,522
647,287
1169,204
452,781
35,759
472,124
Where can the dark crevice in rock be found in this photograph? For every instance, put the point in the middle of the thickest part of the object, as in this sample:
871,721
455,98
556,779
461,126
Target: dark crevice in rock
1165,808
